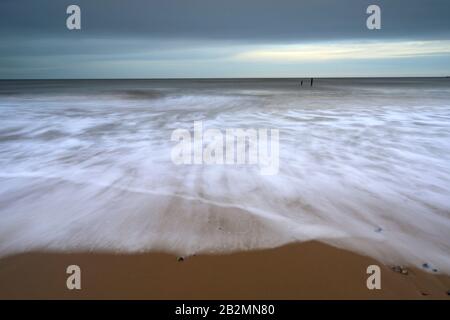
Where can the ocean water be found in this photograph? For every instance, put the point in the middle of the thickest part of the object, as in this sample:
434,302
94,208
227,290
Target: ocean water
364,165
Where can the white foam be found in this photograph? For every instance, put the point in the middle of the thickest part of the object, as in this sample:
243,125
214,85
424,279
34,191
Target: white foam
370,176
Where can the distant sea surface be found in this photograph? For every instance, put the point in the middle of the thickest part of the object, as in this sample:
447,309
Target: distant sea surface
364,165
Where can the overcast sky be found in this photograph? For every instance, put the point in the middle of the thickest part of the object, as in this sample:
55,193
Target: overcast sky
232,38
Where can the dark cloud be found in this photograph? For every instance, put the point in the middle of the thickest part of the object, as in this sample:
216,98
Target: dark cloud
247,20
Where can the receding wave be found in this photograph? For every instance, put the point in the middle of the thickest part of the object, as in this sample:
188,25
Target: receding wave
142,94
363,166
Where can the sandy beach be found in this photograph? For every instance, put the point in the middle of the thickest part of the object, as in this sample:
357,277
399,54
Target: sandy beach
298,271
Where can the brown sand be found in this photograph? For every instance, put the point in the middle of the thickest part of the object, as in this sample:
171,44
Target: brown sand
298,271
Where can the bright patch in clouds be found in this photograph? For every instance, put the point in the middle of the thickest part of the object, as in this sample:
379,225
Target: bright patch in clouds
347,50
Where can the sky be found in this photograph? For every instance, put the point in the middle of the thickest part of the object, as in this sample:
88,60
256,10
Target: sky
223,39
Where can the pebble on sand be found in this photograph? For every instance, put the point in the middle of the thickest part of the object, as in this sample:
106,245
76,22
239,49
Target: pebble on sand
400,269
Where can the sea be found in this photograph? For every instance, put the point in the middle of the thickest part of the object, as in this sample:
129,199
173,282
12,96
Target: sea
364,165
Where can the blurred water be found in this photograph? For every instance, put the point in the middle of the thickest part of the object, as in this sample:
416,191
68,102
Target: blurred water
364,165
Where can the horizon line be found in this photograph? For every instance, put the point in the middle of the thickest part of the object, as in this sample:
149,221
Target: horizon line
222,78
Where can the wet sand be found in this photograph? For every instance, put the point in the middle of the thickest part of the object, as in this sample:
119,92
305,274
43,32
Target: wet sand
297,271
